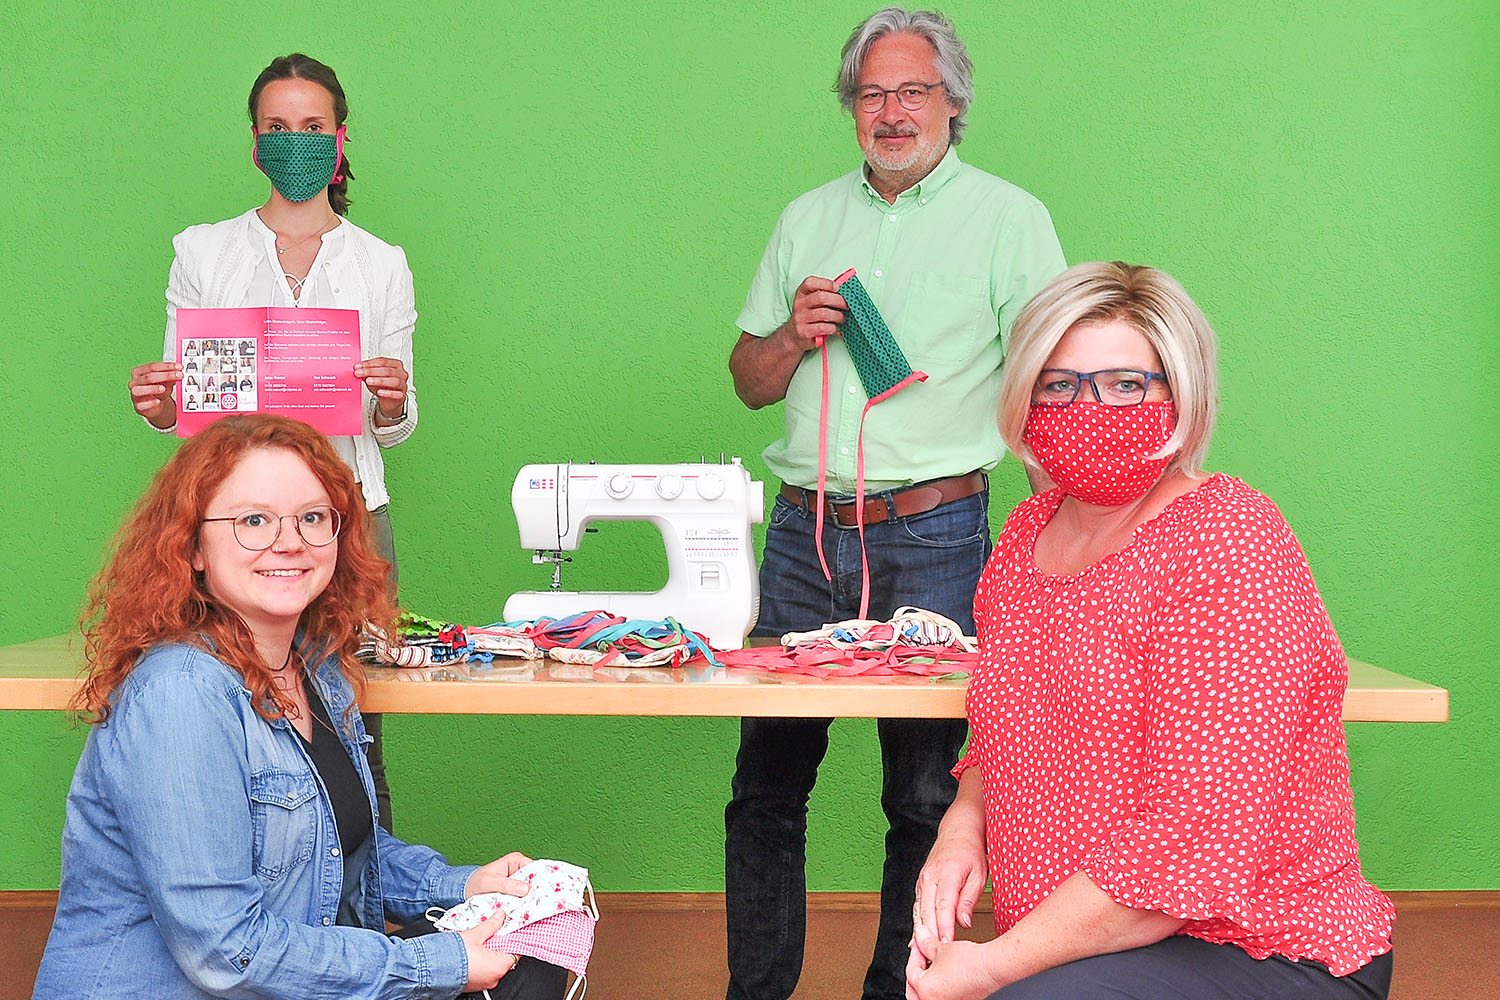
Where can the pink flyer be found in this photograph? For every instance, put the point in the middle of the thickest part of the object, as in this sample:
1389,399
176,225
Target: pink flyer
269,359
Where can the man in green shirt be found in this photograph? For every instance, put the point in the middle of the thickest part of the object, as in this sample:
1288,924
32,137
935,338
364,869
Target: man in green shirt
949,254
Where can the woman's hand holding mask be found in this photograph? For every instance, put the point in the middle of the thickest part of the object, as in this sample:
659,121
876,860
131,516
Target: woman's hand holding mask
496,877
486,968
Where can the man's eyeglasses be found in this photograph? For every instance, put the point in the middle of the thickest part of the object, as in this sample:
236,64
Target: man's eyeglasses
1112,386
912,96
257,530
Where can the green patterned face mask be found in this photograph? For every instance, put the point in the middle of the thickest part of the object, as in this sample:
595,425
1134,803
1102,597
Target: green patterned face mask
300,164
882,368
884,371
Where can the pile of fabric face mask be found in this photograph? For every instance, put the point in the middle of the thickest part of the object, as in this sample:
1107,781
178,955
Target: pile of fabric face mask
914,642
592,637
422,642
553,922
602,639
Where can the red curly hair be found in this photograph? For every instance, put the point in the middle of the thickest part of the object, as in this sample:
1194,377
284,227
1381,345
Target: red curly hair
148,593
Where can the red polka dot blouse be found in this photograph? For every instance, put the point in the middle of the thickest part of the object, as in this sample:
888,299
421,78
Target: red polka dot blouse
1168,722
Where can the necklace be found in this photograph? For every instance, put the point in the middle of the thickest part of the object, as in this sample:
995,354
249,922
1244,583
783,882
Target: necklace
305,687
282,249
288,684
309,692
298,242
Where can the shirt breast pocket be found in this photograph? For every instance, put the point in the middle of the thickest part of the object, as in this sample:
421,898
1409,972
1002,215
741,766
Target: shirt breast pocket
284,813
948,319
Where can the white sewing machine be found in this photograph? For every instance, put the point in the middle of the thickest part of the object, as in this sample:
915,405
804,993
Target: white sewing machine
704,512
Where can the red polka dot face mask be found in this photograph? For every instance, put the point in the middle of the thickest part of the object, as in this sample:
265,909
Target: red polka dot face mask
1097,453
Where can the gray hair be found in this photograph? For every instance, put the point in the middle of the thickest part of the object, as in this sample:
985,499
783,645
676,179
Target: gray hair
953,63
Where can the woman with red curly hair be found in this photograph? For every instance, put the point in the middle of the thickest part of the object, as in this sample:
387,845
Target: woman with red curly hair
221,836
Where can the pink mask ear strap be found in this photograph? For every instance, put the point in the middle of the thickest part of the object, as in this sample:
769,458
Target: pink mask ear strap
339,157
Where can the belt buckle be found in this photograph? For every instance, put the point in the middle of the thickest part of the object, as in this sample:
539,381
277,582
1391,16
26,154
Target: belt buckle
883,503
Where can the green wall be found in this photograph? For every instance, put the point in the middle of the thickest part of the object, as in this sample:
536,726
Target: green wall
584,191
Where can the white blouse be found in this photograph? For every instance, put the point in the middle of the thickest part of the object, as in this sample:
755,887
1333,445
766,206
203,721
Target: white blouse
234,264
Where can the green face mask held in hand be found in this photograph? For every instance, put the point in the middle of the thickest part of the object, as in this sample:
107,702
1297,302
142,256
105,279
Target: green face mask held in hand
882,368
884,371
300,164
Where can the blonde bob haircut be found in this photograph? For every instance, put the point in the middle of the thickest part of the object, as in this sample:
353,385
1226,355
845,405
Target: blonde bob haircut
1148,301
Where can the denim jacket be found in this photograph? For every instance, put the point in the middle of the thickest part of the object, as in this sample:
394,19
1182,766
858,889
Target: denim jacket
200,856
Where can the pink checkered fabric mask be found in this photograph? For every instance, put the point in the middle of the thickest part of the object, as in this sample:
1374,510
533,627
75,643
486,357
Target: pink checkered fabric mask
565,939
553,922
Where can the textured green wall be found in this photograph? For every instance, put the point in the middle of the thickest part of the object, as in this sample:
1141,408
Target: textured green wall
584,191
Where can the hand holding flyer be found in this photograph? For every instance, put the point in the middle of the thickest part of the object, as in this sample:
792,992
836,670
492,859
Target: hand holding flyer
274,359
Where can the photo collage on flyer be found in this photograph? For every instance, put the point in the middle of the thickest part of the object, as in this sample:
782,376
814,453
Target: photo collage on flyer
218,376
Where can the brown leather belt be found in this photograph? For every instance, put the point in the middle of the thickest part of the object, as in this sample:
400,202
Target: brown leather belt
881,507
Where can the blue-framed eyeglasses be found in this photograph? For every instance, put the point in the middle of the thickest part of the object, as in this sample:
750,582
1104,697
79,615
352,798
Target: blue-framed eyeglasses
1112,386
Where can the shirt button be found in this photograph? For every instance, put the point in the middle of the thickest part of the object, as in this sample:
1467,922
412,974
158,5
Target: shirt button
922,202
843,451
851,390
327,922
244,962
880,274
334,852
891,217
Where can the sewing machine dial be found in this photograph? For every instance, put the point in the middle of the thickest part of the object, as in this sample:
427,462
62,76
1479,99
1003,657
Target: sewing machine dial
669,486
710,486
619,485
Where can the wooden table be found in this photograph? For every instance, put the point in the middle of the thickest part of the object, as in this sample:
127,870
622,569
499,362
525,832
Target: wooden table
42,674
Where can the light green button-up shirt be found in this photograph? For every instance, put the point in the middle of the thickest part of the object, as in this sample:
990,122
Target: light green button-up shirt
949,266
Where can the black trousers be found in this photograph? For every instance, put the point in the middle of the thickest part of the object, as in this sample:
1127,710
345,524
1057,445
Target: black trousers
1185,968
385,547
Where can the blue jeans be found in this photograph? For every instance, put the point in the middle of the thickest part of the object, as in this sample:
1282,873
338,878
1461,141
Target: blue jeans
1185,968
932,561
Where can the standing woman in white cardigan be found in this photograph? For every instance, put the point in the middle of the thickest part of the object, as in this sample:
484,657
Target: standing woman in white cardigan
298,250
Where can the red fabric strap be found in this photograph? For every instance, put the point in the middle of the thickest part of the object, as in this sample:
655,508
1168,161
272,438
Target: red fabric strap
859,472
826,661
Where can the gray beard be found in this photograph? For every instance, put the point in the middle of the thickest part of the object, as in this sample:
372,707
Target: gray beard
904,171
